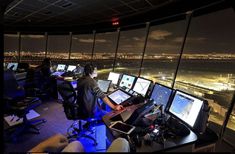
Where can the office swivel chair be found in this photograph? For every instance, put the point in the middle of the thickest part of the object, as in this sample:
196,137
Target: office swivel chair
36,84
72,111
23,67
17,104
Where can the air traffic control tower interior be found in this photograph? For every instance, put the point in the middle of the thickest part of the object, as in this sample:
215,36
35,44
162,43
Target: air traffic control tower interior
118,75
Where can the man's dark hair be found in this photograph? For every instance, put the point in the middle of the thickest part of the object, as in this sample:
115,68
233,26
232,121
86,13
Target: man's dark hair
46,61
88,69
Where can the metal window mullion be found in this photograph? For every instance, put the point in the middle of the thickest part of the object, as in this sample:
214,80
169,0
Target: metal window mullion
116,50
189,16
230,110
19,46
46,43
70,43
144,49
93,46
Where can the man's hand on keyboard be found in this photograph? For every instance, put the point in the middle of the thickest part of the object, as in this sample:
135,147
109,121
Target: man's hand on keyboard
118,107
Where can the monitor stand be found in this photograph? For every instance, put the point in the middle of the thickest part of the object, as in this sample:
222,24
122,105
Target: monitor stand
177,128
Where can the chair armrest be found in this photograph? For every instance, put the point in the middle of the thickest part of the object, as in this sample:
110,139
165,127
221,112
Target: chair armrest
7,98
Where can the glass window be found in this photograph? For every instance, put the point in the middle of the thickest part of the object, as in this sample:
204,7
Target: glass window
32,48
11,47
104,53
81,49
131,44
229,134
162,52
58,47
208,62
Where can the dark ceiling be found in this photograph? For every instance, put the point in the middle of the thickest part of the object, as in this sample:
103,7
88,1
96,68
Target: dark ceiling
75,15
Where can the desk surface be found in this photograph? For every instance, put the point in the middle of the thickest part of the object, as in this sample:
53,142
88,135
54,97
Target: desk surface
169,143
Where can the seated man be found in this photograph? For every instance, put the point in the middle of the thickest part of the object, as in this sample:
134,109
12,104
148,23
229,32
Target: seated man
59,143
43,80
88,93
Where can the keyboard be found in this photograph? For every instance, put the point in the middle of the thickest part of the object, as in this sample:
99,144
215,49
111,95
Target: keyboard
57,73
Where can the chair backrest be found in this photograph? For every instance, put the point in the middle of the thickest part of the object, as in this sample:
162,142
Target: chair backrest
71,107
11,86
38,78
23,67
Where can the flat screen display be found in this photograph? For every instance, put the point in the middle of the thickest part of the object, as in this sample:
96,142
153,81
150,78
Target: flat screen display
127,81
71,68
60,67
122,127
141,86
185,107
114,77
119,96
161,94
12,66
104,85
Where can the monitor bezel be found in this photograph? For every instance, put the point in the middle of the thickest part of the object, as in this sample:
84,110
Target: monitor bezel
171,95
130,76
121,102
118,78
148,86
110,81
167,110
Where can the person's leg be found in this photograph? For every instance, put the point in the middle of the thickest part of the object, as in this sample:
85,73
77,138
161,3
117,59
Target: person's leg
74,146
119,145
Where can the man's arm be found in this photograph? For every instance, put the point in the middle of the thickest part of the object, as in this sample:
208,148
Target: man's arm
101,95
109,103
53,144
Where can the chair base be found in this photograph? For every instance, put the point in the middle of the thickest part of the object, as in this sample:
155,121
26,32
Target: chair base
80,132
25,127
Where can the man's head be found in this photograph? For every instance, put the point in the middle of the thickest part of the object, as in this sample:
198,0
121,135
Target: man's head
90,70
46,62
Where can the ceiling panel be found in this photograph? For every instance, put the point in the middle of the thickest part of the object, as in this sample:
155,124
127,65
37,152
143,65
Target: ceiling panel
49,13
140,5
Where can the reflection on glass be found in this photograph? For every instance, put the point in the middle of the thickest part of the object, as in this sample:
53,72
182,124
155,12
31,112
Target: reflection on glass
11,47
207,66
130,51
58,46
32,48
162,52
81,49
229,134
104,52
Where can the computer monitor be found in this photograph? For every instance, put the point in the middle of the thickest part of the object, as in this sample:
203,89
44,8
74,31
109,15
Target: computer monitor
141,86
185,107
60,67
138,114
161,94
104,85
119,96
71,68
12,66
114,77
127,81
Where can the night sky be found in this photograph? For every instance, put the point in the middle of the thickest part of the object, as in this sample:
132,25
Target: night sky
210,33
